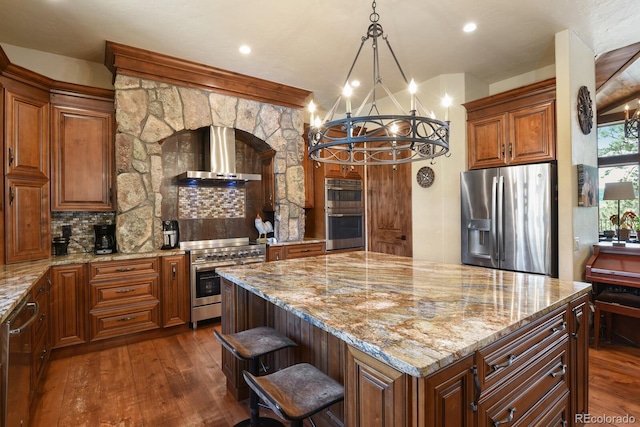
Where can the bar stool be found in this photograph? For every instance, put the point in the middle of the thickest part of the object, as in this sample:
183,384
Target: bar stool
296,392
249,345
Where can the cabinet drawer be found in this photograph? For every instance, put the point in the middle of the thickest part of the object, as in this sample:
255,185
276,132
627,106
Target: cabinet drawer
125,320
303,250
551,411
111,270
508,356
39,358
105,295
548,376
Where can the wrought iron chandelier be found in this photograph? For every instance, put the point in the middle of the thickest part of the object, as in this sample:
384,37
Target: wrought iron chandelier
374,138
632,125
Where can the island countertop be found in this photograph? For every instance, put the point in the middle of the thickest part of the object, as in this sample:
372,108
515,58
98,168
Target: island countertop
416,316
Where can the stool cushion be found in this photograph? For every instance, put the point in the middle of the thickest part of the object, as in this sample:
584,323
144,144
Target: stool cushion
623,298
296,392
254,342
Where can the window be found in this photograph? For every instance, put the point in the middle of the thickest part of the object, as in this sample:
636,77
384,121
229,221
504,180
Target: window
618,160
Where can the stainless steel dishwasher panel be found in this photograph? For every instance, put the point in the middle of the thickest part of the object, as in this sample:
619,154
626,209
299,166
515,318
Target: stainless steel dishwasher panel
16,363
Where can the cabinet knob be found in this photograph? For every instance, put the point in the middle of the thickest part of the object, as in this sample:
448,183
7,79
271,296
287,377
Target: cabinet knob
11,157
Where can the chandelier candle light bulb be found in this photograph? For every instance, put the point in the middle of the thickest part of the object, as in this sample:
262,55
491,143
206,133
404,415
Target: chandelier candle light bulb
446,102
413,88
347,92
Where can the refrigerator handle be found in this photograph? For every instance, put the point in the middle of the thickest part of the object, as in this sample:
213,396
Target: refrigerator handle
501,217
494,222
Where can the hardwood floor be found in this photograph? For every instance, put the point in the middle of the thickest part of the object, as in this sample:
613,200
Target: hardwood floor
176,381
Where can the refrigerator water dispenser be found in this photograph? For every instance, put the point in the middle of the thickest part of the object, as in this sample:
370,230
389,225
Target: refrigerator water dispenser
479,238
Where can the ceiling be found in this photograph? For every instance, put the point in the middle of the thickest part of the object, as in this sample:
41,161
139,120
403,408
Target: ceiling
311,44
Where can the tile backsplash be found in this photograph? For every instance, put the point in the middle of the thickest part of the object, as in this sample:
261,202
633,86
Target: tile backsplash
211,202
82,234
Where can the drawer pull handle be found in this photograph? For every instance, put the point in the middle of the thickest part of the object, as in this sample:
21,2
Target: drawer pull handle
44,354
506,364
123,269
560,329
560,373
476,381
305,250
124,291
42,317
576,317
505,420
124,319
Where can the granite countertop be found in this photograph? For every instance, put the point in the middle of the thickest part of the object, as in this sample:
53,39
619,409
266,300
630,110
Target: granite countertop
17,279
416,316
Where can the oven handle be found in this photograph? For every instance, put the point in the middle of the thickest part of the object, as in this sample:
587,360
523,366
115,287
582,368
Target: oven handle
212,267
354,188
342,215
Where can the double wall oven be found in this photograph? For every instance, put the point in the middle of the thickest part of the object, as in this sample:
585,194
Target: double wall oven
207,255
344,214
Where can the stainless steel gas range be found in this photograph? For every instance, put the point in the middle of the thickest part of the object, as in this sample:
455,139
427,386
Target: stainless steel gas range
207,255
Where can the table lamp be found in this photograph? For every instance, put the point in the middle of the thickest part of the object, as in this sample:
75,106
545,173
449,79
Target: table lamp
618,191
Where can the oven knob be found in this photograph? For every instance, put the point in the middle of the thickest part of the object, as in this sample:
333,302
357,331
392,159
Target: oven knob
232,255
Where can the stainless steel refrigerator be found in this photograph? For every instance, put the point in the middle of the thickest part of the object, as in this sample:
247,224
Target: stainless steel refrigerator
509,218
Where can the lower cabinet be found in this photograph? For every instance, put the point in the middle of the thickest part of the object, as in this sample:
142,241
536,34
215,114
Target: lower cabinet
68,307
295,250
175,291
40,343
124,297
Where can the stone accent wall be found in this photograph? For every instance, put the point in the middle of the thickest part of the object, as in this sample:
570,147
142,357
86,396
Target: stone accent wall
147,112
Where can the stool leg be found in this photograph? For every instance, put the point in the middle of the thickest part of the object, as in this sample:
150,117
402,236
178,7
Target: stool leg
254,367
607,327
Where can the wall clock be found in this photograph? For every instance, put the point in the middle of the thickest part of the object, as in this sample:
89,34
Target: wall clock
425,177
585,110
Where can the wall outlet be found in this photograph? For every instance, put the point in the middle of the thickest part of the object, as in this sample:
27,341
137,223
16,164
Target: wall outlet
576,244
66,231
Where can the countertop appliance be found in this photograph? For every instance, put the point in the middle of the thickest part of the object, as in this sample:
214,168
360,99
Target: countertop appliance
344,214
170,234
207,255
509,218
105,239
16,363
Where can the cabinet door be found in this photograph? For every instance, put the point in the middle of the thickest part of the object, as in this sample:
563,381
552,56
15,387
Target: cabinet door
579,354
27,220
275,253
68,308
486,141
450,394
175,291
268,181
532,134
375,394
26,131
82,153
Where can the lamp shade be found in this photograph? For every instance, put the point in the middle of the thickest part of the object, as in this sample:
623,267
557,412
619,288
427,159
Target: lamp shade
618,191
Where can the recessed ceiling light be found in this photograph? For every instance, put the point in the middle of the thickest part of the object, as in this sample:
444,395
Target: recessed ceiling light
245,50
355,83
470,27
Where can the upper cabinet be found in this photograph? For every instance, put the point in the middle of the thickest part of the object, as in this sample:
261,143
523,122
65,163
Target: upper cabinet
26,132
513,127
82,152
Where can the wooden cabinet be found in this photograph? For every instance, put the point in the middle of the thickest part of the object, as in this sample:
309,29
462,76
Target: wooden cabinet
451,394
82,147
514,127
40,342
579,353
25,121
268,181
68,305
124,297
27,217
175,291
376,393
295,250
26,130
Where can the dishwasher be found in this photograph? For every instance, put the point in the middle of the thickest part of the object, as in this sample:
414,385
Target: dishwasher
16,364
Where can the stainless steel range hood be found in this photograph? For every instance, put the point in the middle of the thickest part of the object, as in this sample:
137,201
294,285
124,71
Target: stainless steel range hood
219,159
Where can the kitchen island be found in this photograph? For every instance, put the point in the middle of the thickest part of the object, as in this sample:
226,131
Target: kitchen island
421,343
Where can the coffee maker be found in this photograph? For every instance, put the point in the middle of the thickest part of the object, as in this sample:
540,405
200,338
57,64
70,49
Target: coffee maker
105,239
170,234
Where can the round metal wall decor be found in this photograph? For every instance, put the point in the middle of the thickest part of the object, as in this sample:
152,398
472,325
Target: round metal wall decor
425,177
585,110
